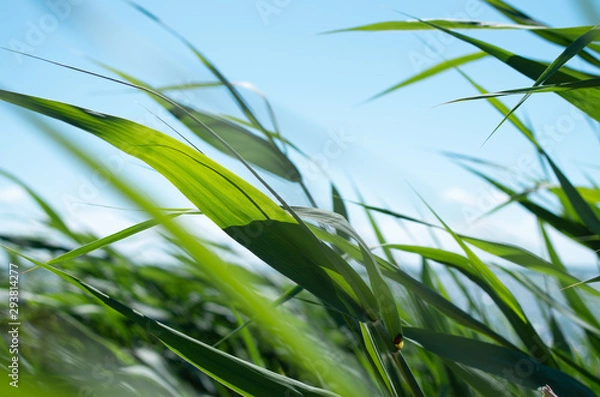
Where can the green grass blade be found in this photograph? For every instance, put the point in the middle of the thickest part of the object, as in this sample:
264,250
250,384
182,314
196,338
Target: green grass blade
229,201
561,37
588,281
525,259
583,209
432,71
498,361
577,231
113,238
574,85
252,148
428,24
417,288
241,376
283,329
239,100
385,299
244,84
582,99
339,207
572,50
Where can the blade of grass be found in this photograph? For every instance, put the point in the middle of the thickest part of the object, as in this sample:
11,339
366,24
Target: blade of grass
432,71
240,376
498,361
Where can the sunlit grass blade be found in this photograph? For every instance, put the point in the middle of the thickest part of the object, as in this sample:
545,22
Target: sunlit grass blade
229,201
379,361
284,330
481,268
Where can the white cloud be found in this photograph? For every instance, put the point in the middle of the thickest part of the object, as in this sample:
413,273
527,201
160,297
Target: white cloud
459,195
12,194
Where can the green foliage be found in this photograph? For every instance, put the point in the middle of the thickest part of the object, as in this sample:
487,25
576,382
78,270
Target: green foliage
347,321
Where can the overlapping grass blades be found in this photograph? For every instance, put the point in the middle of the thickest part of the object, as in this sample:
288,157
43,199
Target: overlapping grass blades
411,335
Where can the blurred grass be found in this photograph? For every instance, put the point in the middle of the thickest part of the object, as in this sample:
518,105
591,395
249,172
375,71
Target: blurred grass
335,318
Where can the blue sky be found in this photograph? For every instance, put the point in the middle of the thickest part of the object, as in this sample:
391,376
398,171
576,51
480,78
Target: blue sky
317,83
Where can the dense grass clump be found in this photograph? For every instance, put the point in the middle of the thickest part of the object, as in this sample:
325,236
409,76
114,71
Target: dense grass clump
335,316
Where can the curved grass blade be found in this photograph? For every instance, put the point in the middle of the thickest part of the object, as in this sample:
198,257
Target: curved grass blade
588,281
113,238
521,325
416,287
573,49
427,24
233,282
339,208
477,265
524,258
498,361
574,85
557,36
483,383
583,99
378,360
555,304
434,70
229,201
241,84
575,230
385,299
571,296
252,148
585,373
241,376
582,208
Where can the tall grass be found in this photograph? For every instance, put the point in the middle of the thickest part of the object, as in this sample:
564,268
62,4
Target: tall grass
336,318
